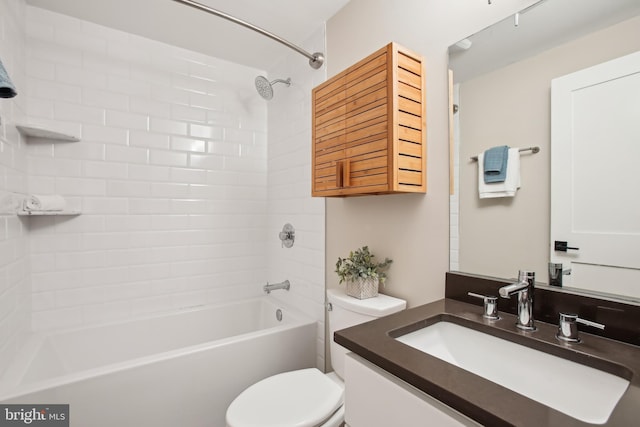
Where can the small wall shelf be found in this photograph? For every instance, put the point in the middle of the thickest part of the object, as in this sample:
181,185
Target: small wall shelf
48,213
40,132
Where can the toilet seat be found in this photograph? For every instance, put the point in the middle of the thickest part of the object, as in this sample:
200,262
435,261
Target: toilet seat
303,398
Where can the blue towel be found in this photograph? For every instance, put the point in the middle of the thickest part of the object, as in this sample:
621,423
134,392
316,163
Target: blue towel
495,164
7,89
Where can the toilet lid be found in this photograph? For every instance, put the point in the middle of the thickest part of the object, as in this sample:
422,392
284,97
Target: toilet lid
303,398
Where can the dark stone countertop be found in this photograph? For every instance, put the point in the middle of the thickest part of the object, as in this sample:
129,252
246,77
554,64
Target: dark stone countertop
480,399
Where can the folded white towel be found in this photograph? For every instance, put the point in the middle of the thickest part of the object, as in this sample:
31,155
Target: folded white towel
511,183
44,203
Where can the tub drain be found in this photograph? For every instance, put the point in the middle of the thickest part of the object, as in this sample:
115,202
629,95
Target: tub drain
279,315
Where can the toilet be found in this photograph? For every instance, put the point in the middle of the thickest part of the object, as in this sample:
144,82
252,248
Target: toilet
307,397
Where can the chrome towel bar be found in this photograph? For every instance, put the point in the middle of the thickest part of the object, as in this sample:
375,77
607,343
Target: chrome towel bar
532,149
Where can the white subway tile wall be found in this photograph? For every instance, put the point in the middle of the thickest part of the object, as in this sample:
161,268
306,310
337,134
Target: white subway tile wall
181,196
170,175
289,190
14,261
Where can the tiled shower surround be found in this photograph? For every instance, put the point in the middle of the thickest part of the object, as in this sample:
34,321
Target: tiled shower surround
171,177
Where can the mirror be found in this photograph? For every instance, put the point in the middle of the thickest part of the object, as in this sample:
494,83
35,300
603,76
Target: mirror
502,78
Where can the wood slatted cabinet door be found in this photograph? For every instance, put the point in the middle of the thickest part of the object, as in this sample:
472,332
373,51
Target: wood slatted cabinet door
369,127
328,136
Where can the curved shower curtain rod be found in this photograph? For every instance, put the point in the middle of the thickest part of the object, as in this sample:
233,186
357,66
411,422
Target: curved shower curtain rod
315,59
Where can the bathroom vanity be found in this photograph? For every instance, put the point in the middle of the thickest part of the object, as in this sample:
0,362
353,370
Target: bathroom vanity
390,379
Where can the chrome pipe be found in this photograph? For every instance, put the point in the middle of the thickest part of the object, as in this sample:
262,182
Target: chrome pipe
315,59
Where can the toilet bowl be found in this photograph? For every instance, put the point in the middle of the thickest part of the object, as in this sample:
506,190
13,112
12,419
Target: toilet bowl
307,397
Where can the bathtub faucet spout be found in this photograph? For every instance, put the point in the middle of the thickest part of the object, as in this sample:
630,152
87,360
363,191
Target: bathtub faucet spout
282,285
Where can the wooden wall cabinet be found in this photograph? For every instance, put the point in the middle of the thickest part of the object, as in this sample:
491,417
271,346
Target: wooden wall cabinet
369,132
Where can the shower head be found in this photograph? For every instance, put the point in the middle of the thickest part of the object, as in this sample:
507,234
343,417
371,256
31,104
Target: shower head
265,88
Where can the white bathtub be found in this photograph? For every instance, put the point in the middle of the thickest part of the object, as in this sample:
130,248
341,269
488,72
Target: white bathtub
181,369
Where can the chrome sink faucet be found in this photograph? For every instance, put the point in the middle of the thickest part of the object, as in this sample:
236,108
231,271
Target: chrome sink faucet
524,289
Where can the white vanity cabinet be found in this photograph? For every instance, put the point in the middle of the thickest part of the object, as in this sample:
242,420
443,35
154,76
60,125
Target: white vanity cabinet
375,398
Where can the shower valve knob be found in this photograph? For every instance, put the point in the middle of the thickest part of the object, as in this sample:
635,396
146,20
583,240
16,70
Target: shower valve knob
287,235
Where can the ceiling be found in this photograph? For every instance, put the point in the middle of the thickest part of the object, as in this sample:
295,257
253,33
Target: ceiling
180,25
541,26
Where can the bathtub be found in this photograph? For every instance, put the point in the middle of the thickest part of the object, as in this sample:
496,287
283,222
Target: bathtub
179,369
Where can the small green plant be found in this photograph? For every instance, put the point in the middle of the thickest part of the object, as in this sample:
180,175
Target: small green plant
361,263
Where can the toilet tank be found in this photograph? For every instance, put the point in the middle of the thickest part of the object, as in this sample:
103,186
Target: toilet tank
349,311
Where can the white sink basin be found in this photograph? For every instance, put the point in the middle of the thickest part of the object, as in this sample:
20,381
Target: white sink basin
582,392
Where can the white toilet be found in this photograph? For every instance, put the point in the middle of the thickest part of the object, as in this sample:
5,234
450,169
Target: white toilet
307,397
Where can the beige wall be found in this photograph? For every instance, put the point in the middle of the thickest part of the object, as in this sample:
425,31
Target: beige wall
413,230
511,107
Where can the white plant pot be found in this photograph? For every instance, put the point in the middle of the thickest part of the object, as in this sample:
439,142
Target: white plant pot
362,288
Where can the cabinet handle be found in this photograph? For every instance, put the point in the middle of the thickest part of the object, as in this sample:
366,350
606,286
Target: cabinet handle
339,175
346,172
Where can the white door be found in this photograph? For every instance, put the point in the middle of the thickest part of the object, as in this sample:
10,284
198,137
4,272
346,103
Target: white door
595,175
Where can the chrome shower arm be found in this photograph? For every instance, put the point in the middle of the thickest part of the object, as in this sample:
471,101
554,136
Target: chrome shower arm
315,59
287,81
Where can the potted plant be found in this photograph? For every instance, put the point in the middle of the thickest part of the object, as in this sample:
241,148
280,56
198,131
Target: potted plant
362,273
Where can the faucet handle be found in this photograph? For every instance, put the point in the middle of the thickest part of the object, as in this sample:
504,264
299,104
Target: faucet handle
490,305
568,327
